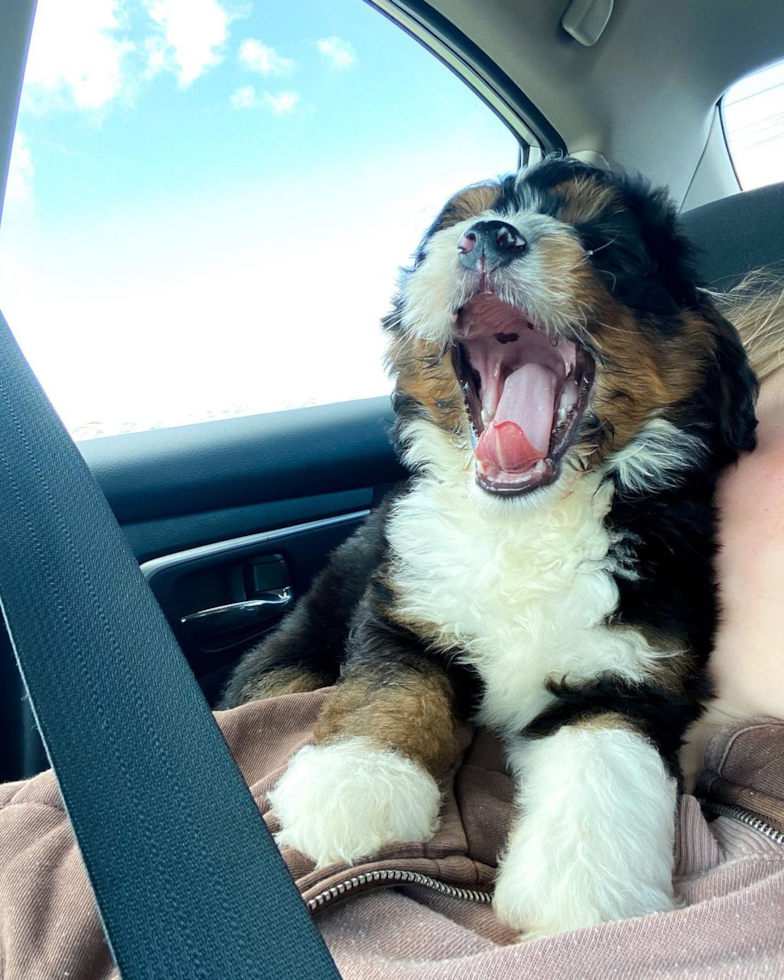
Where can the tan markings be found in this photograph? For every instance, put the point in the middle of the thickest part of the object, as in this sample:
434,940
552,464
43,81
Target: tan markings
285,680
678,665
644,372
640,372
409,710
426,373
608,719
566,269
469,203
584,197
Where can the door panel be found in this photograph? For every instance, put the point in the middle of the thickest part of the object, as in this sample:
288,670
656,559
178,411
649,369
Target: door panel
220,598
155,537
200,505
217,466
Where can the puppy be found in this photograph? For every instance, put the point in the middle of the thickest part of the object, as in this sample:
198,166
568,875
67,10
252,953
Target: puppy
565,397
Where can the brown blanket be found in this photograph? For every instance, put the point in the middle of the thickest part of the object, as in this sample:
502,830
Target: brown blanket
421,911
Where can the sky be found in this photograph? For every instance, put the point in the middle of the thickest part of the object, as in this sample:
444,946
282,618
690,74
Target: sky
209,200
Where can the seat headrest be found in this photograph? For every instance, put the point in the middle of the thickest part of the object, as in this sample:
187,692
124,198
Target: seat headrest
738,234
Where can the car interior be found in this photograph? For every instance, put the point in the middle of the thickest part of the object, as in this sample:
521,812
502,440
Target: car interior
229,521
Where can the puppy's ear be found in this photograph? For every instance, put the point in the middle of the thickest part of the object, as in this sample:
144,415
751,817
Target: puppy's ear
672,254
731,388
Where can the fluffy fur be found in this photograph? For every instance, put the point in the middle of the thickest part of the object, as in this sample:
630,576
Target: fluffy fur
521,597
603,785
576,614
344,801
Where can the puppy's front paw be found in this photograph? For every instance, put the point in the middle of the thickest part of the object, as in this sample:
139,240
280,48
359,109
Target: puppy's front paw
540,891
595,839
344,801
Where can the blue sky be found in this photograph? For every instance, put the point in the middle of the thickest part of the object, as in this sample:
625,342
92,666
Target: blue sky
209,202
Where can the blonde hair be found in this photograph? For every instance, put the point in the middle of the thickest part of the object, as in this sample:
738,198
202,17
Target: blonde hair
756,308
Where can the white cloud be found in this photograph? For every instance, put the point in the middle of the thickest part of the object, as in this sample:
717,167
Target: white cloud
189,37
244,98
337,52
76,57
283,104
19,189
264,59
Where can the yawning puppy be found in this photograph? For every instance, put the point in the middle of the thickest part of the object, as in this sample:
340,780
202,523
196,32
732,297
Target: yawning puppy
565,396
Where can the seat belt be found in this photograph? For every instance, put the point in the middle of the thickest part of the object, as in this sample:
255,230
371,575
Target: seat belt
186,877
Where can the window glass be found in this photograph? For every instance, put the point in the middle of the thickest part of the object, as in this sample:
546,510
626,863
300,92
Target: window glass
208,202
753,111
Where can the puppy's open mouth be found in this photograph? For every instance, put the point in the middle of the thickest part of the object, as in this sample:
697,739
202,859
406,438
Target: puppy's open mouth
525,394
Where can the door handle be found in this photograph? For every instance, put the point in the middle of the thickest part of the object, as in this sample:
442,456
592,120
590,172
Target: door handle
240,615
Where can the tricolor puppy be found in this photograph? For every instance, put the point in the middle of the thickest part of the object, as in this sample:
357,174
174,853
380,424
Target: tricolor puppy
566,396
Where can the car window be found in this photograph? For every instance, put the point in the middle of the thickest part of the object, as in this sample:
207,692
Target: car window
753,113
208,202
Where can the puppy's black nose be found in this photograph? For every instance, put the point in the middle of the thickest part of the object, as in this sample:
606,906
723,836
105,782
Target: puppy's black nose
497,242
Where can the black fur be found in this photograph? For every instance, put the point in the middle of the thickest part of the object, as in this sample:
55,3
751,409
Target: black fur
658,714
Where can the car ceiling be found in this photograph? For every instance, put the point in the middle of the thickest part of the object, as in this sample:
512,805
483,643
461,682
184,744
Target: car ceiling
643,96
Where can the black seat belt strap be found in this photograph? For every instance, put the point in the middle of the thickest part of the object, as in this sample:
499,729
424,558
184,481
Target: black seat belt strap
187,879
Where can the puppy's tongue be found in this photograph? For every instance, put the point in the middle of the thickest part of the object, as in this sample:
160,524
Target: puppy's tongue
519,435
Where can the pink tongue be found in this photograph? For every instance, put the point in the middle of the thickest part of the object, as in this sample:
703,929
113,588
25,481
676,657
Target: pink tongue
519,435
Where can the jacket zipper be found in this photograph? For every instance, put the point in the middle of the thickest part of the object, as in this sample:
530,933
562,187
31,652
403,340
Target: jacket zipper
390,878
748,817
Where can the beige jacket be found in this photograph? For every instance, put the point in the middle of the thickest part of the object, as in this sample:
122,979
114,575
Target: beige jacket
421,912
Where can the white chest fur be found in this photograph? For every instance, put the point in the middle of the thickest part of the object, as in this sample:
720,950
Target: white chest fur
520,592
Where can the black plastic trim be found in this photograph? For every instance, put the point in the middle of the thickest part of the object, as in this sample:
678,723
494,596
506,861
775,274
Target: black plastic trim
235,462
153,538
725,135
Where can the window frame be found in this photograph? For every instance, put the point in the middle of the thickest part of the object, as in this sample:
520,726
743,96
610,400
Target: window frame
483,76
725,134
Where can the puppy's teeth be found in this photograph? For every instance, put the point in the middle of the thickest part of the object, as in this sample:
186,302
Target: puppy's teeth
561,417
540,467
487,418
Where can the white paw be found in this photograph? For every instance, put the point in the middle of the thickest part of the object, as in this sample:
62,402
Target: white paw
539,901
595,840
344,801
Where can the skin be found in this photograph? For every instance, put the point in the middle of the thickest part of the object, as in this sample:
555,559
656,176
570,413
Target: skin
747,665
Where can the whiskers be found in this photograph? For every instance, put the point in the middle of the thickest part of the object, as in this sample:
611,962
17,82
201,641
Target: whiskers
612,241
590,252
606,272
